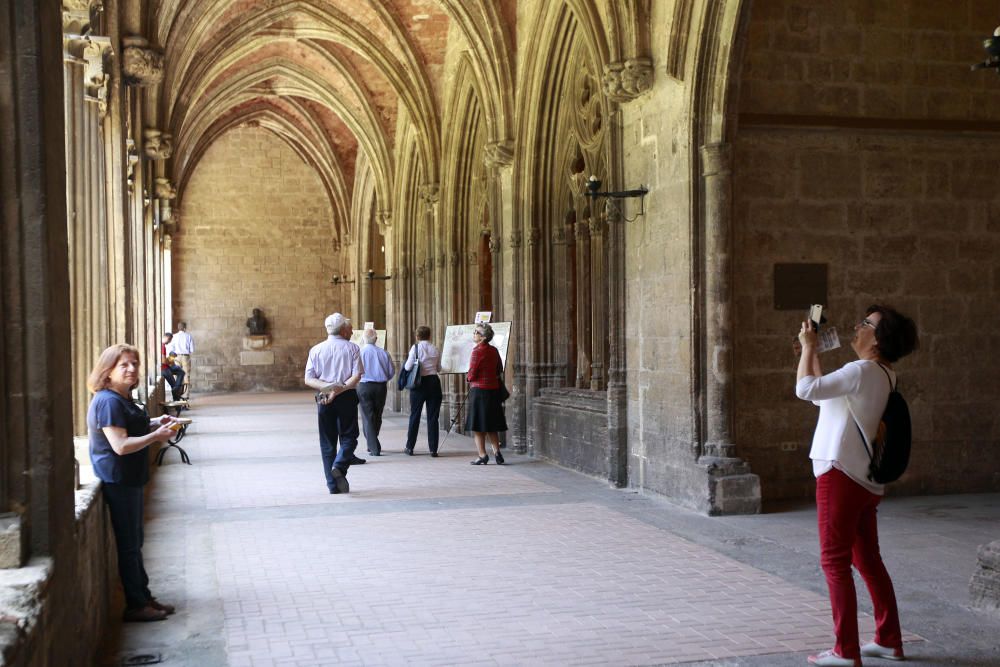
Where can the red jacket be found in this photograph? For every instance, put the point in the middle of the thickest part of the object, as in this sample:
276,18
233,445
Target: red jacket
484,367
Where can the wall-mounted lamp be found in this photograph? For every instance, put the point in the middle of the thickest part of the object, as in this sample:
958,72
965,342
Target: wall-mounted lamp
594,191
371,276
340,280
992,46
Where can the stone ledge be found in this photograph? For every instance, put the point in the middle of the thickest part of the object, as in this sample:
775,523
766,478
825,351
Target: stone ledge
573,399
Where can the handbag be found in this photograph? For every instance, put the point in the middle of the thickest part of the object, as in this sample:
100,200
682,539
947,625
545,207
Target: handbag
413,375
504,394
402,377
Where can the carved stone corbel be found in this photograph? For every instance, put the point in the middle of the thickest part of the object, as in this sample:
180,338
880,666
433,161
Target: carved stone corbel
156,144
164,190
132,158
429,193
142,64
499,154
625,81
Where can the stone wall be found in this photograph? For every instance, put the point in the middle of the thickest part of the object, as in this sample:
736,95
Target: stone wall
570,427
256,232
861,169
42,621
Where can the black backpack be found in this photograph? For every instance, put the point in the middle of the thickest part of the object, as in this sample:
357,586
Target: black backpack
889,453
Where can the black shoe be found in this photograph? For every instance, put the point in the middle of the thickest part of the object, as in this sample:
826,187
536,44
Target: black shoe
358,461
499,457
408,451
481,461
340,482
434,455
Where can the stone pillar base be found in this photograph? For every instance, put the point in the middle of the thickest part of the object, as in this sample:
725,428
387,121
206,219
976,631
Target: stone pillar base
984,588
732,488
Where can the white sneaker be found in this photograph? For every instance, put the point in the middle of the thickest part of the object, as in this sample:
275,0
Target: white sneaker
831,659
873,650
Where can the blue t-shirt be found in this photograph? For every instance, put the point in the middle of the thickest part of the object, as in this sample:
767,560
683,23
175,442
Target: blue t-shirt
109,408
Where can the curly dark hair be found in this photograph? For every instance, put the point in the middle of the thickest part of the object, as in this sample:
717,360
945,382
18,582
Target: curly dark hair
896,334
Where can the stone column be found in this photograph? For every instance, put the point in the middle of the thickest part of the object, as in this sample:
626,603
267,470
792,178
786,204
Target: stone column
598,315
36,474
583,304
732,488
617,388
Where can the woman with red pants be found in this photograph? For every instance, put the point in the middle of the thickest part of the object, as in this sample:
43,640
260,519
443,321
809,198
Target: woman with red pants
846,500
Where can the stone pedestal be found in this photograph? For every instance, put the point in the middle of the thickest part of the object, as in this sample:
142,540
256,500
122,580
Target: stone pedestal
984,589
261,342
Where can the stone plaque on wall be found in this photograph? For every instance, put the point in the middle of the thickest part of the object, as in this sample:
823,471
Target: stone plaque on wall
257,358
798,286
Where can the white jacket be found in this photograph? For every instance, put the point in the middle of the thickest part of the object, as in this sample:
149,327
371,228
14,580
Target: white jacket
860,387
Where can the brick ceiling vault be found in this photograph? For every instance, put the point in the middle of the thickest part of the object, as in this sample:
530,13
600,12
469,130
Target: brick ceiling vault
331,78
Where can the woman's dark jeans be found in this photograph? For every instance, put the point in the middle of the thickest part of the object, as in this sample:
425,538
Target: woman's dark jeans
125,505
429,393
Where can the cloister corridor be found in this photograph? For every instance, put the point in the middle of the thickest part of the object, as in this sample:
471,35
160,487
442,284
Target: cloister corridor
436,562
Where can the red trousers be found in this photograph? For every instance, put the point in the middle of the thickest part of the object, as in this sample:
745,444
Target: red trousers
848,534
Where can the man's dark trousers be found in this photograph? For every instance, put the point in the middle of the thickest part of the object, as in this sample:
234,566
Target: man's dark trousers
338,422
372,395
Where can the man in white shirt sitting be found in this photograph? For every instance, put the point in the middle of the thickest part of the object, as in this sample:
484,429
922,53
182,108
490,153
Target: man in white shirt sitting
182,346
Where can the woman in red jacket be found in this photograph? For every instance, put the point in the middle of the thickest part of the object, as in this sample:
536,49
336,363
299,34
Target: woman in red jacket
484,416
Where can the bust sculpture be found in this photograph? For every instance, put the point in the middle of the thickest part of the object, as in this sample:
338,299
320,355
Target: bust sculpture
257,323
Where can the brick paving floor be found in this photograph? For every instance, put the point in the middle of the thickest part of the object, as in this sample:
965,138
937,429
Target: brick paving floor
436,562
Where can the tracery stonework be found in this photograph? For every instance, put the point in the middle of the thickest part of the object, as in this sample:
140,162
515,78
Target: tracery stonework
142,64
625,81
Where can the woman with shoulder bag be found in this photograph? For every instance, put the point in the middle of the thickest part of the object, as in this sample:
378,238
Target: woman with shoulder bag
849,399
426,358
484,416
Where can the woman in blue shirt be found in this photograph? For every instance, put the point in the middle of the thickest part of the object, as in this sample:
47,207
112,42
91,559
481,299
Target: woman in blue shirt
120,431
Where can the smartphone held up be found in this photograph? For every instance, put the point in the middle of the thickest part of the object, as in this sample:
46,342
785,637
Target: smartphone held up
827,338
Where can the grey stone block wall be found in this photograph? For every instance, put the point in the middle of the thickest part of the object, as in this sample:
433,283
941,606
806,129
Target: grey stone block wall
570,427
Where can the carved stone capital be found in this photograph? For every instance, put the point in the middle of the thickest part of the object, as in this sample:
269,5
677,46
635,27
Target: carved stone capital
443,259
596,226
515,239
421,270
156,144
499,154
496,243
404,272
429,193
625,81
582,229
142,64
534,236
163,189
558,235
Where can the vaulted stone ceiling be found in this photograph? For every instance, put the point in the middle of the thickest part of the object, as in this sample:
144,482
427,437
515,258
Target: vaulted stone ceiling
330,77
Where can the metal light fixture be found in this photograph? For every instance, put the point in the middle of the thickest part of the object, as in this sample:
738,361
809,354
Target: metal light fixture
340,279
594,192
371,276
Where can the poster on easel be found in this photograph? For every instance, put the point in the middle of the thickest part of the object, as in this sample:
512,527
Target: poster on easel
358,338
456,349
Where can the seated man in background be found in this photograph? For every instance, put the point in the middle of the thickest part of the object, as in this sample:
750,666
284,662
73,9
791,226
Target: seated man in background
169,368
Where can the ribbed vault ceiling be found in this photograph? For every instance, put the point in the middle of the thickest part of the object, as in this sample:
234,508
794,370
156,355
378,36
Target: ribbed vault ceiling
329,77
